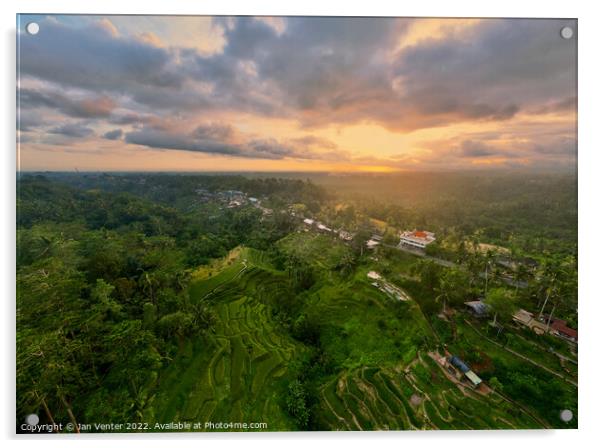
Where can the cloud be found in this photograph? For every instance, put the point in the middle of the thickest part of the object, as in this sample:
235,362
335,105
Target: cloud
214,131
312,140
115,134
76,130
28,120
556,106
223,139
128,118
321,70
470,148
90,107
197,142
149,79
507,65
96,59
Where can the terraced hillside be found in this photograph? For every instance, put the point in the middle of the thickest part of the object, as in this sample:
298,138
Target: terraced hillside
379,374
417,397
239,372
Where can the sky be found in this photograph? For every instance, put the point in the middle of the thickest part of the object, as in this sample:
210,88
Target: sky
185,93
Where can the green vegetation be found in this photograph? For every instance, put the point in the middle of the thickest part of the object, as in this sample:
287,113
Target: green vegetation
168,298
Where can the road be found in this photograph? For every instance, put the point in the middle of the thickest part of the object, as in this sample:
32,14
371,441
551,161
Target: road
450,264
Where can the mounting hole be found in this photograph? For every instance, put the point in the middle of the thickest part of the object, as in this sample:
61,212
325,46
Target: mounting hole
32,419
566,32
32,28
566,415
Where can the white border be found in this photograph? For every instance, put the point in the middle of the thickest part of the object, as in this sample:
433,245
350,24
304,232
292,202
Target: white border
590,100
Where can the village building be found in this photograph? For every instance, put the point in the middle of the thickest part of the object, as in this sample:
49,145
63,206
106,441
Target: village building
527,319
558,327
416,238
371,244
324,228
345,236
463,369
308,222
374,275
477,308
473,378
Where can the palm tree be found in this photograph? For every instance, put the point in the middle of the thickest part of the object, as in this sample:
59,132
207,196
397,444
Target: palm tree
443,292
565,285
521,273
549,278
487,261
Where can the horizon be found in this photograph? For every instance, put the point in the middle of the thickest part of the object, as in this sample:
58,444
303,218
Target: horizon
474,171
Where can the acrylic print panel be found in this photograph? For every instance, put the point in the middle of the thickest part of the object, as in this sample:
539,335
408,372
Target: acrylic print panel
296,223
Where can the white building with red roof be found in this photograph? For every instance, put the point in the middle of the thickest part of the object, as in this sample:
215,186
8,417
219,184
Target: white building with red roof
416,238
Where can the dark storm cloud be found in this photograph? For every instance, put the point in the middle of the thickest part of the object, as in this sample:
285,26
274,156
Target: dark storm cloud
76,130
113,135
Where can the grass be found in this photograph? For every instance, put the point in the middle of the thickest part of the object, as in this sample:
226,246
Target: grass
323,251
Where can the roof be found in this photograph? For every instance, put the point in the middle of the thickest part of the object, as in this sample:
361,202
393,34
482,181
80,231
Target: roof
561,327
474,379
372,243
457,362
420,236
345,235
478,306
523,316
